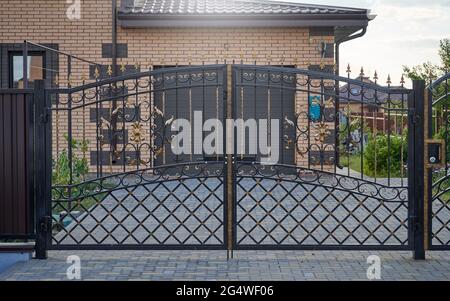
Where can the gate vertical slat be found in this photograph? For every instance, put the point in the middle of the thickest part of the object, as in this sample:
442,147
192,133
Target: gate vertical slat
43,169
416,169
15,164
8,168
229,178
2,167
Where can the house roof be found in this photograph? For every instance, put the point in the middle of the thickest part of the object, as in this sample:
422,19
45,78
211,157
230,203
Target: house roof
240,12
233,7
353,93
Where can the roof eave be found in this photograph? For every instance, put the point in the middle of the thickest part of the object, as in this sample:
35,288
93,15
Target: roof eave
158,21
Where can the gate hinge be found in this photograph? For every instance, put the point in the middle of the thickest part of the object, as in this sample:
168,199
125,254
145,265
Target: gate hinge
45,224
45,116
415,119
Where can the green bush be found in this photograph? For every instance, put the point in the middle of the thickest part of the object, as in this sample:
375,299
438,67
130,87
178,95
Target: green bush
382,157
61,166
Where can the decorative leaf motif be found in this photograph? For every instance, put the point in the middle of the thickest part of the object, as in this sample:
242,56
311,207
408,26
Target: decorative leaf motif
137,133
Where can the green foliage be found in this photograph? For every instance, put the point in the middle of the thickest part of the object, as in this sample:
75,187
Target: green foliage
384,153
61,166
444,53
428,71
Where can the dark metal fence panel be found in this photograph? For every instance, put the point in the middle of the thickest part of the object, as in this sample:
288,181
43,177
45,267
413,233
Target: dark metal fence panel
16,164
438,163
133,191
359,202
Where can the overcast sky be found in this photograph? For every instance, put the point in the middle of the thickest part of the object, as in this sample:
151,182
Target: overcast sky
405,32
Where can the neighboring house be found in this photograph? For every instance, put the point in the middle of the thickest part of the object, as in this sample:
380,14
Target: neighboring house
155,33
357,100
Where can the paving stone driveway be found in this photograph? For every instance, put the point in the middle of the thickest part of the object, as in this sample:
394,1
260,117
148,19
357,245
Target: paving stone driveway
246,266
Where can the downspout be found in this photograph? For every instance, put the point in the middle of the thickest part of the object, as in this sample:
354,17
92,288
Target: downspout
346,39
337,121
114,38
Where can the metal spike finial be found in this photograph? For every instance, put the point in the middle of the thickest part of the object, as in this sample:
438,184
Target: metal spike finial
375,76
56,79
109,71
389,81
83,77
136,65
122,67
362,72
349,70
96,73
322,65
402,80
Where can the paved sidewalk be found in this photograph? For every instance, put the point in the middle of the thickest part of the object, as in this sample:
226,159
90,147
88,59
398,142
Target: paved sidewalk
246,266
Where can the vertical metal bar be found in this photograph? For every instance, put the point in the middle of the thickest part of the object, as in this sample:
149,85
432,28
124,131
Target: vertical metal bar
70,134
428,173
323,120
361,136
337,130
124,108
25,65
114,38
308,101
349,121
43,153
228,96
416,155
389,136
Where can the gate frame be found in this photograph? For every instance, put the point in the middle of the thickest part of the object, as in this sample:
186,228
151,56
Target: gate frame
416,145
43,159
428,176
416,154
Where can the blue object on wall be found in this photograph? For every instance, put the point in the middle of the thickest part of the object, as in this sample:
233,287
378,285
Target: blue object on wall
314,108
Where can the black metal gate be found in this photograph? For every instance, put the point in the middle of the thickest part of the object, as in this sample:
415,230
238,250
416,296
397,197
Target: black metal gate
346,153
437,204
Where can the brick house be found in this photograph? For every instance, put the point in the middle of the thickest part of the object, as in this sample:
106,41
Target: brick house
141,34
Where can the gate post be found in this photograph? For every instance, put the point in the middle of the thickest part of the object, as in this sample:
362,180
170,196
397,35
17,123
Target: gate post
416,168
43,168
229,159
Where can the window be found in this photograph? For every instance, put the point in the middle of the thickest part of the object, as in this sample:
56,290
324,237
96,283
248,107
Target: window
36,63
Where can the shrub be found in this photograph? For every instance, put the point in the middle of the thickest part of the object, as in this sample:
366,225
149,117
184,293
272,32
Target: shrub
61,166
382,157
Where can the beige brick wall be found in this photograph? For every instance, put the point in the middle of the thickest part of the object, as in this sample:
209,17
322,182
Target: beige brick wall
45,21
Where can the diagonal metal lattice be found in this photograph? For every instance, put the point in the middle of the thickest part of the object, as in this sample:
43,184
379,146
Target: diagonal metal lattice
276,211
179,211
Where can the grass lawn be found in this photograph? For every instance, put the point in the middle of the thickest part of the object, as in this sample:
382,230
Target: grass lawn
354,163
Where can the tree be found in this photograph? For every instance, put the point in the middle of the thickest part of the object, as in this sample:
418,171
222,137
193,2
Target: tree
429,71
444,53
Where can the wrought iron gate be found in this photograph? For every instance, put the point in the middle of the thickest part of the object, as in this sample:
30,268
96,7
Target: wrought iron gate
117,182
437,205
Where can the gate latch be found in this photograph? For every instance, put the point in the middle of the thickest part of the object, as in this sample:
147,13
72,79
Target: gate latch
435,153
45,224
